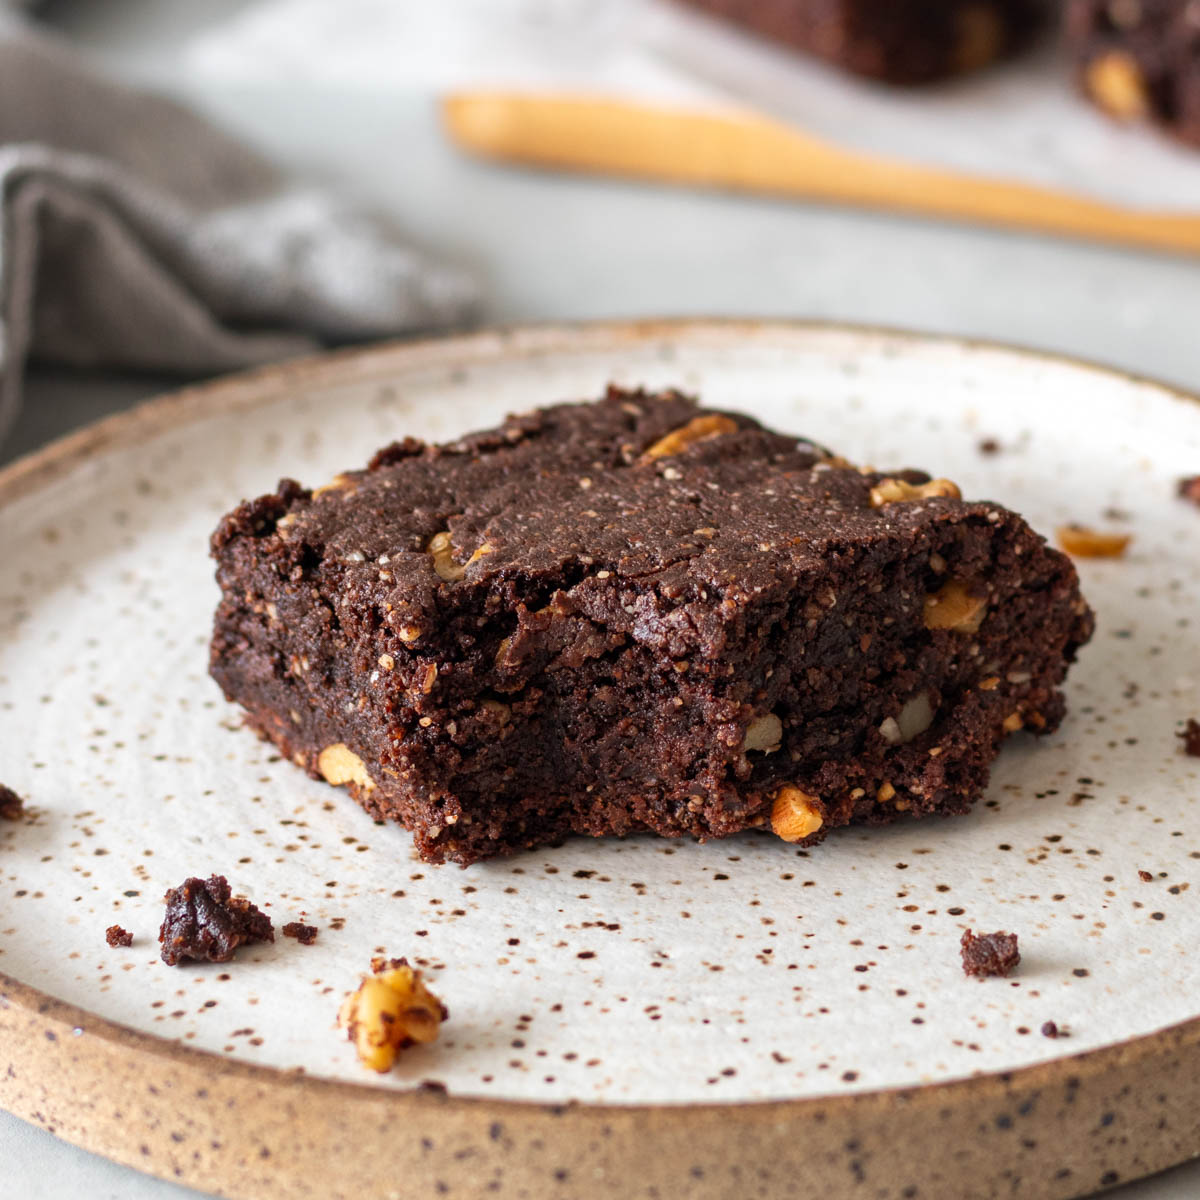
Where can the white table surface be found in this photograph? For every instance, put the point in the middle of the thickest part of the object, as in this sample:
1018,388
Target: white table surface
554,248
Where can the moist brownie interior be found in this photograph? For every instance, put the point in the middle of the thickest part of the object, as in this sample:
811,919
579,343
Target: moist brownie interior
637,615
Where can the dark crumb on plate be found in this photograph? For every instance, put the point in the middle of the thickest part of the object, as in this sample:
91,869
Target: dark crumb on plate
1189,489
12,808
1051,1030
203,921
114,935
432,1085
1145,876
304,934
989,446
985,954
1191,737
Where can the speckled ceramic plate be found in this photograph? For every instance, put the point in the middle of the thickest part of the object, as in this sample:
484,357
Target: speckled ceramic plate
740,1010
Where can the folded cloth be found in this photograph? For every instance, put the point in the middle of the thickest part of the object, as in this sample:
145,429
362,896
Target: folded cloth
135,234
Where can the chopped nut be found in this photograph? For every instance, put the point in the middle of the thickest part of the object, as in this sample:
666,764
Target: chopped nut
698,429
387,662
898,491
953,607
980,37
409,634
339,764
987,954
501,711
442,550
1089,543
763,733
796,815
885,793
339,483
392,1009
1116,83
1013,722
914,718
889,730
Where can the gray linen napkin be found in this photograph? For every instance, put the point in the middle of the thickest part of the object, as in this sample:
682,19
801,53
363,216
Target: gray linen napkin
135,234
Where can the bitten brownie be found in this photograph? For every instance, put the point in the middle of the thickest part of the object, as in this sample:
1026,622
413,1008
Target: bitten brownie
1140,61
898,41
637,615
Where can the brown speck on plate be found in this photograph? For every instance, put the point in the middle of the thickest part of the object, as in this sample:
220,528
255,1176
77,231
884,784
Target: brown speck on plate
114,935
12,808
1145,876
989,446
989,954
1053,1030
304,934
1191,737
204,921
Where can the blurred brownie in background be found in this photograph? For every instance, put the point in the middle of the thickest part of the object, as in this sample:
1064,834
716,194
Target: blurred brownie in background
898,41
1140,60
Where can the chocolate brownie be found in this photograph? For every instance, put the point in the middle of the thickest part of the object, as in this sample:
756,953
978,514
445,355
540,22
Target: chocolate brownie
1140,60
989,954
898,41
12,807
1191,737
204,921
637,615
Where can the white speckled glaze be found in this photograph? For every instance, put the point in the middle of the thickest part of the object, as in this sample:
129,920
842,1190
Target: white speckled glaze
603,970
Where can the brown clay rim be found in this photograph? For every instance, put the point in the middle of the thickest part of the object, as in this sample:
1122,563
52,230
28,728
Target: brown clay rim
297,1125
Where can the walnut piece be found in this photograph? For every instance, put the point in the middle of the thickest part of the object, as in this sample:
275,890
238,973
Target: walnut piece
1116,83
763,733
1090,543
340,765
795,815
899,491
953,607
442,551
913,719
391,1009
698,429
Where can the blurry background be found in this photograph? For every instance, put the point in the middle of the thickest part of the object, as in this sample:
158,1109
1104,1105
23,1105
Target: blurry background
550,247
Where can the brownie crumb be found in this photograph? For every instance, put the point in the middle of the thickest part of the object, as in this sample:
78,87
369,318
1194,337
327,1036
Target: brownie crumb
989,446
1145,876
1191,737
987,954
203,921
1189,489
1052,1030
12,807
304,934
114,935
433,1085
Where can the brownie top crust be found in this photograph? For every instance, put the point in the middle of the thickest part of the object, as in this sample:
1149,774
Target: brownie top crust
702,512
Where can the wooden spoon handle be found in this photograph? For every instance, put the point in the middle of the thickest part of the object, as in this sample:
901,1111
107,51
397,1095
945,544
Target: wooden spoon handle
751,153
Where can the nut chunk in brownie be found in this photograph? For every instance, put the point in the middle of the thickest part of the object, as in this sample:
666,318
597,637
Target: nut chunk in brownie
899,41
637,615
204,921
1140,61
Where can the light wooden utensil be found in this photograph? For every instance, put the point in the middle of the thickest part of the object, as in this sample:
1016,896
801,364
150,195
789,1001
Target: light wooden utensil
746,152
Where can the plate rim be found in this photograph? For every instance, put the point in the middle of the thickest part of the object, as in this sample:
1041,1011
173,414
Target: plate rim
25,1009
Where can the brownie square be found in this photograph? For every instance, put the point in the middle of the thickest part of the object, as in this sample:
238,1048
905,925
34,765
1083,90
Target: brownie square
1140,60
638,615
897,41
